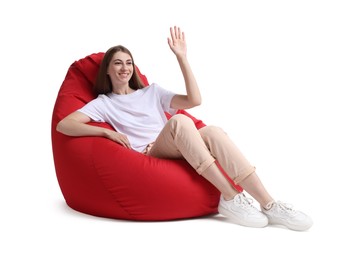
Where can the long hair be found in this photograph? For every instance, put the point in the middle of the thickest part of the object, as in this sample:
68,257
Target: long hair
103,84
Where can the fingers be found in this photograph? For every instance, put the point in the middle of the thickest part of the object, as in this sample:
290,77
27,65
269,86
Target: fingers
120,139
124,142
172,33
176,33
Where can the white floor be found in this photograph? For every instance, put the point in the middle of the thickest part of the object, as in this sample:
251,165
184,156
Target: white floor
270,75
46,228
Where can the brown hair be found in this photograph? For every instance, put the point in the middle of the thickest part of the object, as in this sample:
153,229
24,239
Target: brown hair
103,84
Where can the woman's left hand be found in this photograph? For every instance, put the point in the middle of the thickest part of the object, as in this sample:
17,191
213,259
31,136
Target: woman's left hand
177,41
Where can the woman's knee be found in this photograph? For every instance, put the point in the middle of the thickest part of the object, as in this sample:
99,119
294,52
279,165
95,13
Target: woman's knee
181,120
211,132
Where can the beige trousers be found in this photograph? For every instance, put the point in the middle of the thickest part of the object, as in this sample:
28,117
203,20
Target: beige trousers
200,148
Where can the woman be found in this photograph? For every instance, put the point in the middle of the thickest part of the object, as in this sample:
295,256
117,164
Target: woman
138,115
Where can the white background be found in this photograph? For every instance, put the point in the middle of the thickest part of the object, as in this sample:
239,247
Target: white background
270,75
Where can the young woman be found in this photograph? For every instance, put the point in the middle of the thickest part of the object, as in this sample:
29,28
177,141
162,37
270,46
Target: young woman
138,115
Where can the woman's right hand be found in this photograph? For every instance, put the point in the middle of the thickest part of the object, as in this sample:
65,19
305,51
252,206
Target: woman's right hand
118,138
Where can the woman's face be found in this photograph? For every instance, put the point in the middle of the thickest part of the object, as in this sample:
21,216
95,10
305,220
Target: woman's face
120,69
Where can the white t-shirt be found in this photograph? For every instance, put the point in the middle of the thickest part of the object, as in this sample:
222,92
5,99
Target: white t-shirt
139,115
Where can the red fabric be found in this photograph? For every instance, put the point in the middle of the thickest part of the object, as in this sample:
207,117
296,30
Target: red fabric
99,177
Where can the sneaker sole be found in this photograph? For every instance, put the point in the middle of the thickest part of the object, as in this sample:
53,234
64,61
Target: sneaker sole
291,226
233,219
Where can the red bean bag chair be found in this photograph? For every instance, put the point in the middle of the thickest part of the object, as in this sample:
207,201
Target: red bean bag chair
102,178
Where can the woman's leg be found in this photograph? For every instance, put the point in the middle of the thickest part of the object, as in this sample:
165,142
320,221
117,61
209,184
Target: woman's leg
181,139
242,173
215,177
253,185
234,163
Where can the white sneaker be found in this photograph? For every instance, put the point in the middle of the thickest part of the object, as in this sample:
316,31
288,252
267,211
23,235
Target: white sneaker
240,211
280,213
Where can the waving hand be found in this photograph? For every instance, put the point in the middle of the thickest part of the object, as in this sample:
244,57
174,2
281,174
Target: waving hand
177,41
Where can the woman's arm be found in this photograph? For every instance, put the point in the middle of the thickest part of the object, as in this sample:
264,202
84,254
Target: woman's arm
192,98
75,124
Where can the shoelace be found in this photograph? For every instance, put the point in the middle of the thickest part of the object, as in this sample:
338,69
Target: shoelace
285,207
244,202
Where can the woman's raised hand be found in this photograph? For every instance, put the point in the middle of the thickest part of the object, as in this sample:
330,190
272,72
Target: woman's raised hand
177,41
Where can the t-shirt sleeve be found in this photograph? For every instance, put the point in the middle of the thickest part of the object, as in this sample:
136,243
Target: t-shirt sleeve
165,97
94,109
